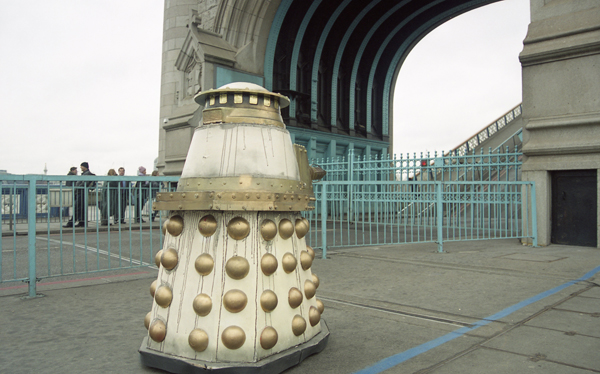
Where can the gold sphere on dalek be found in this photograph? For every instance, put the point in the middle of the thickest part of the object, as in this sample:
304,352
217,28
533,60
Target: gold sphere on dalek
235,287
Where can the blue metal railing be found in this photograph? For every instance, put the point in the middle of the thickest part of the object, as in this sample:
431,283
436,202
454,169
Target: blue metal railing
381,213
43,247
424,198
476,140
500,164
361,201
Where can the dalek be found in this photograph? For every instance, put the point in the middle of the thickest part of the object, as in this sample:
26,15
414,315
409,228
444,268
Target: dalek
235,292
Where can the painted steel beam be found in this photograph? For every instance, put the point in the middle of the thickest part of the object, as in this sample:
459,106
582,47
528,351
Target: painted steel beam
359,55
404,49
338,61
376,59
284,6
317,59
296,52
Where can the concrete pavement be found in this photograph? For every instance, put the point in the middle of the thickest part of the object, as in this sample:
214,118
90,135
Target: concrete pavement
492,306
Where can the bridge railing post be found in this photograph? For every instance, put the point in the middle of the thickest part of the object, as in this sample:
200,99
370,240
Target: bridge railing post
31,234
440,216
350,184
324,186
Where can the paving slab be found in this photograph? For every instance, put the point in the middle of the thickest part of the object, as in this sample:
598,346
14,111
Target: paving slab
87,329
551,345
568,322
533,257
593,292
491,361
583,305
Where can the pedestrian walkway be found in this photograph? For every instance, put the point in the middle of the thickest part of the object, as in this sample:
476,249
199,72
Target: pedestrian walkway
482,307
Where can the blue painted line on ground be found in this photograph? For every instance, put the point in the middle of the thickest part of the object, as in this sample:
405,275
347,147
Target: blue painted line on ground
399,358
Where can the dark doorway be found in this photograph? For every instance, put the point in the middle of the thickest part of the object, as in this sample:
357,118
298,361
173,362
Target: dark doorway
574,207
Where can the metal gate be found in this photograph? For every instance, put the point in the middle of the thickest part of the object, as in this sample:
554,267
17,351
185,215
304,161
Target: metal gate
380,213
366,200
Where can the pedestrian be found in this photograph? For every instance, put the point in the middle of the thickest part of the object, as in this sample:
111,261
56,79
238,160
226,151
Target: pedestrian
72,171
110,196
141,195
154,188
80,200
123,195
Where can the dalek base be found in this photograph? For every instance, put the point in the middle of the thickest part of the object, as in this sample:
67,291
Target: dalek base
276,363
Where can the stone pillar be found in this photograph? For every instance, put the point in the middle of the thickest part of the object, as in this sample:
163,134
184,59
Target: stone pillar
175,109
561,95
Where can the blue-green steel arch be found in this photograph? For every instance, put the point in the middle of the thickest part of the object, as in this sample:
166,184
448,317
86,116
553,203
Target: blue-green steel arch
338,60
317,59
357,60
380,51
296,52
418,34
282,10
365,36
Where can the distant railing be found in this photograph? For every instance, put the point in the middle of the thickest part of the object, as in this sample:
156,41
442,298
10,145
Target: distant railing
56,200
471,144
501,164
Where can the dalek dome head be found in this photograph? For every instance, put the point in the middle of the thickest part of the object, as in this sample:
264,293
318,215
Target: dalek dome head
241,156
242,102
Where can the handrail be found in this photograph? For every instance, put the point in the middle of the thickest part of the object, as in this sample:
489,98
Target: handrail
470,144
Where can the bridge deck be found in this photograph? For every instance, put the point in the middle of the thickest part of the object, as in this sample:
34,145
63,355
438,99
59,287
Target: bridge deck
483,307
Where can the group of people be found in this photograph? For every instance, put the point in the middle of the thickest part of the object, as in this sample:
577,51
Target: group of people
116,196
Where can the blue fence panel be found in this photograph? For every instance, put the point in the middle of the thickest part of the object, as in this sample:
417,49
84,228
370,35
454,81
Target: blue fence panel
499,164
48,245
385,213
422,198
361,201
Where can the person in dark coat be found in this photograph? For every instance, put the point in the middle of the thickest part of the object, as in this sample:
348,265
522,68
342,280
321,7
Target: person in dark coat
72,171
123,195
154,188
110,197
142,190
81,191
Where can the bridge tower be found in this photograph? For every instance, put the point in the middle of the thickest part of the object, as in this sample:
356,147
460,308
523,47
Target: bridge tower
561,113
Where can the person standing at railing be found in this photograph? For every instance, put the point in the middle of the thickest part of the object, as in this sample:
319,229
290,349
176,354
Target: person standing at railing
141,195
154,188
80,193
123,194
110,196
72,171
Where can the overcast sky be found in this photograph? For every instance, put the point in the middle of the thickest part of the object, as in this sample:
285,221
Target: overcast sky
460,78
80,81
